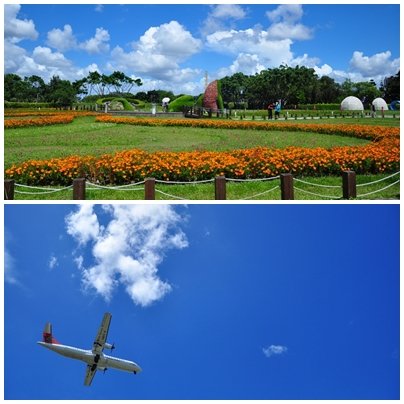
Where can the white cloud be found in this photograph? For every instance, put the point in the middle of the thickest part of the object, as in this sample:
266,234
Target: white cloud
98,43
83,224
99,8
16,29
158,54
376,65
53,262
222,17
9,268
44,56
286,12
282,30
274,350
128,250
62,40
244,63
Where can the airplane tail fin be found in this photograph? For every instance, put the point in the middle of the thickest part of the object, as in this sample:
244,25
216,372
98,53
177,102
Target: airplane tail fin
47,335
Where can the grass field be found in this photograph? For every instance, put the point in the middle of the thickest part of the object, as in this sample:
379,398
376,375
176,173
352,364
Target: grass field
86,137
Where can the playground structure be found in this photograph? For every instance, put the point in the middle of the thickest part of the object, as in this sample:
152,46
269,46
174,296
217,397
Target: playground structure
393,105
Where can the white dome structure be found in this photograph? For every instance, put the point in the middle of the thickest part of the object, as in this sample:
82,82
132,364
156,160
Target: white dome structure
351,104
380,104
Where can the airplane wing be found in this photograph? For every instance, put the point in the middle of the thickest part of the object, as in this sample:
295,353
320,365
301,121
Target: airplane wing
90,373
102,334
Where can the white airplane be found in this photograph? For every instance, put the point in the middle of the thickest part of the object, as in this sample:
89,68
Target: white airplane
95,358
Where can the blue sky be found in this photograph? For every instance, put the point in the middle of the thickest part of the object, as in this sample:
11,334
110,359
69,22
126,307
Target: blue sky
172,46
213,301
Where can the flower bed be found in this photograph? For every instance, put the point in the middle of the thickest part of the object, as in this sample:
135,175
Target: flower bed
360,131
382,155
42,118
41,121
134,165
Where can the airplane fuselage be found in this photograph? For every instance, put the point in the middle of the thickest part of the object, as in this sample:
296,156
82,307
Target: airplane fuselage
101,360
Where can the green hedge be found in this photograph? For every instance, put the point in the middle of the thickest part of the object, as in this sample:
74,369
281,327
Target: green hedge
318,107
179,103
27,105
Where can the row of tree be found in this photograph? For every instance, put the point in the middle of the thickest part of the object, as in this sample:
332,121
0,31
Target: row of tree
301,85
60,92
293,85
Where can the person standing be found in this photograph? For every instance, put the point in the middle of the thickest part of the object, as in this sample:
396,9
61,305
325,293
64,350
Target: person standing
277,109
270,109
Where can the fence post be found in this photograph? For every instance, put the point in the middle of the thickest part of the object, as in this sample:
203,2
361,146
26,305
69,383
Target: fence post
79,189
150,189
287,191
348,184
220,188
9,190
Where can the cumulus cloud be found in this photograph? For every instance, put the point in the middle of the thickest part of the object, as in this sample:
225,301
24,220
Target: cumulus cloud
245,62
286,12
62,40
257,47
379,64
128,250
83,225
98,43
222,17
274,350
159,52
16,29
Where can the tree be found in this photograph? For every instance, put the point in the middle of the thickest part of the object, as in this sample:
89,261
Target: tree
60,93
391,88
328,90
15,89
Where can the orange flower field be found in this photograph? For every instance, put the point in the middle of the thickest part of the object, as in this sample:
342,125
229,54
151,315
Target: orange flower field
382,155
41,118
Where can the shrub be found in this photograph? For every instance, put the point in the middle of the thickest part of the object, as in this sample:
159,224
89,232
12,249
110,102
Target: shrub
179,103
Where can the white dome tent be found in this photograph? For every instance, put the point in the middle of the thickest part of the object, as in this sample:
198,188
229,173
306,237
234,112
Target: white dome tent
380,104
351,103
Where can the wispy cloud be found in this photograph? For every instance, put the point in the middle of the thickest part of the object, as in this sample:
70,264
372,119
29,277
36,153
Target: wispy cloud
274,350
128,249
9,268
53,262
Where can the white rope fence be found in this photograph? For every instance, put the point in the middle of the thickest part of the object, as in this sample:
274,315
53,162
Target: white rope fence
35,190
318,195
378,190
316,185
382,179
40,190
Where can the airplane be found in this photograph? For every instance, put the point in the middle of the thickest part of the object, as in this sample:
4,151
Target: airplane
94,358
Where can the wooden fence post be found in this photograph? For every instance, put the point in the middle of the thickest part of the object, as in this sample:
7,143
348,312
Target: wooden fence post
220,188
287,191
150,189
348,184
9,190
79,189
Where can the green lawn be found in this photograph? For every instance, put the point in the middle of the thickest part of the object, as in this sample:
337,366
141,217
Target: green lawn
84,136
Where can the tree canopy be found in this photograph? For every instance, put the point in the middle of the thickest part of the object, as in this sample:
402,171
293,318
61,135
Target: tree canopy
295,86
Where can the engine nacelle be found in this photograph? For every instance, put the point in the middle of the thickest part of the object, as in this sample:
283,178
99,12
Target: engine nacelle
109,346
